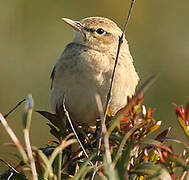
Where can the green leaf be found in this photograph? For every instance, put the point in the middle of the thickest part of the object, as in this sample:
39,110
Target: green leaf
111,174
48,168
152,171
84,169
47,115
54,131
150,141
168,138
132,176
123,142
179,162
58,165
54,119
124,160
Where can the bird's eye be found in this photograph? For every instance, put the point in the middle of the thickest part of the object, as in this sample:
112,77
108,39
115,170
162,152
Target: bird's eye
100,31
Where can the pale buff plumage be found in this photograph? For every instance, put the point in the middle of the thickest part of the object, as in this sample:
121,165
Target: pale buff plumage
85,68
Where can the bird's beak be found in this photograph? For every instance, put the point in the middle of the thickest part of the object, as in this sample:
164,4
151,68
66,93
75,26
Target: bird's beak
76,25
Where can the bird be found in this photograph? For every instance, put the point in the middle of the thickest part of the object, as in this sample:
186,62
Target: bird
85,68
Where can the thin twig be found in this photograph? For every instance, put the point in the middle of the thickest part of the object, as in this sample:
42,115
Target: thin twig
102,134
9,177
99,103
73,129
14,138
100,109
9,166
17,105
29,151
128,17
116,60
29,110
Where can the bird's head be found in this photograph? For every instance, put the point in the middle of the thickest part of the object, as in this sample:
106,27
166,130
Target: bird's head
98,33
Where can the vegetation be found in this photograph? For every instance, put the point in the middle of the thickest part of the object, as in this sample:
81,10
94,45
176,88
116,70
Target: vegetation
134,153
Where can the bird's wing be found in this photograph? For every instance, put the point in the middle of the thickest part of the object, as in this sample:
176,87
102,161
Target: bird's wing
52,76
71,50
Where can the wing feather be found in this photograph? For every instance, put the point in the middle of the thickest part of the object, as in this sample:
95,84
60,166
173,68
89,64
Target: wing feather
52,76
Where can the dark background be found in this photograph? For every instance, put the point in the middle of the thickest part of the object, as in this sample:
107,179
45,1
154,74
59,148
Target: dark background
32,36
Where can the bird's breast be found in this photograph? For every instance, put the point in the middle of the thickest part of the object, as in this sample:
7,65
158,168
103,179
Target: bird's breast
79,78
81,73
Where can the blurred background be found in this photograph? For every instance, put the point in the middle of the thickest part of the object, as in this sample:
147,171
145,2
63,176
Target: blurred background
32,36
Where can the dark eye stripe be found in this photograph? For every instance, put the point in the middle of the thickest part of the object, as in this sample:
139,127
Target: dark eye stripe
98,30
89,29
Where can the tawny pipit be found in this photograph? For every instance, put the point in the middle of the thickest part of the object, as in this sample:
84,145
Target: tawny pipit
85,69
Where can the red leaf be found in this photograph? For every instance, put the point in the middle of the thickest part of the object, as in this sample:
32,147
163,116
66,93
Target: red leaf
179,111
161,156
164,147
149,113
125,119
162,135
